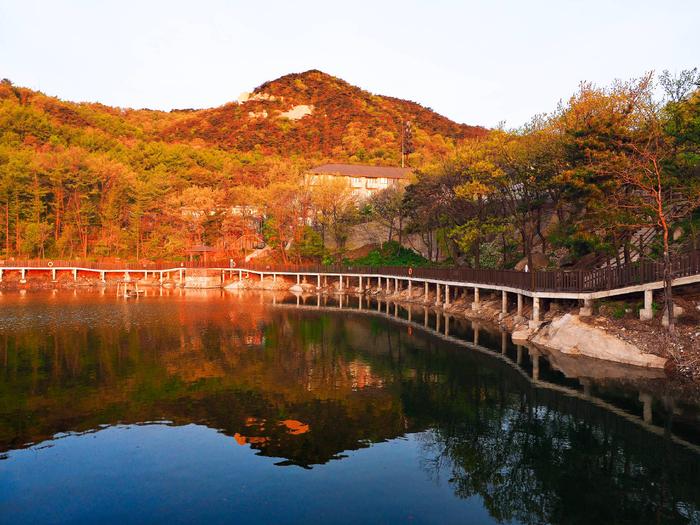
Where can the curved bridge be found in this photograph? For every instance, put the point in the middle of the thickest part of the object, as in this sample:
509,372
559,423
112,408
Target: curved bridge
583,285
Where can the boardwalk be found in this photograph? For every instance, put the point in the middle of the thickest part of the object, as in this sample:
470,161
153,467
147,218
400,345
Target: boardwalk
446,283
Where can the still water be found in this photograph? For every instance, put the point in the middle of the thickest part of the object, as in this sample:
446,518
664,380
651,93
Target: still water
184,407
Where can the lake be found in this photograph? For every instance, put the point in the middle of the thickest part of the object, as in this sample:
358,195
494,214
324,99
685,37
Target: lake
192,406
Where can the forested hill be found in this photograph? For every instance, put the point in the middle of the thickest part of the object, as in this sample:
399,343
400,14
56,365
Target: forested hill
86,179
311,115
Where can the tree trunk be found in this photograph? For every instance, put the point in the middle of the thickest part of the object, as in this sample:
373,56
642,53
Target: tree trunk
668,284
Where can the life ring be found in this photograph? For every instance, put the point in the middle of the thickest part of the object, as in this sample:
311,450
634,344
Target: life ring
410,271
49,264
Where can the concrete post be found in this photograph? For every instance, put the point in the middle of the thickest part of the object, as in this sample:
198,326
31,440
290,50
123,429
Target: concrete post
181,277
410,313
298,279
1,275
647,313
520,306
425,293
379,284
437,295
504,342
318,280
341,283
23,279
476,333
447,324
387,285
425,316
536,309
262,277
437,321
396,286
587,309
447,295
160,280
410,288
102,276
340,298
396,309
75,274
361,284
504,304
53,275
519,357
475,304
359,306
240,275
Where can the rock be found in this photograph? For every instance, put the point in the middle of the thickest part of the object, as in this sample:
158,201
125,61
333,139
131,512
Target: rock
521,336
569,335
539,261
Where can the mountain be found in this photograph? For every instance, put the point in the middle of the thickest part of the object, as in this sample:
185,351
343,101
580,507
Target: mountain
316,113
311,115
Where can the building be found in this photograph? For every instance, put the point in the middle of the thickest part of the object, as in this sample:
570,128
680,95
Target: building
363,180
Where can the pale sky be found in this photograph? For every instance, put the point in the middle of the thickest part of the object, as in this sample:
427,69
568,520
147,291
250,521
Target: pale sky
477,62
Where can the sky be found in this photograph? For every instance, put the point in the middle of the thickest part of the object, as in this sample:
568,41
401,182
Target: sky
477,62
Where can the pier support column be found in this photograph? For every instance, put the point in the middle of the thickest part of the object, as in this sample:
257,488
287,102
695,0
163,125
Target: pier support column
587,309
360,284
318,281
447,295
262,276
519,316
181,277
647,313
1,275
410,313
23,278
475,304
477,328
535,322
387,285
102,277
425,316
437,321
298,279
341,282
160,280
504,342
425,293
410,289
437,295
519,354
359,304
75,274
53,275
504,305
447,324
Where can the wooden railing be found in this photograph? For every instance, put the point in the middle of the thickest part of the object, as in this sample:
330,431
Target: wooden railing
632,274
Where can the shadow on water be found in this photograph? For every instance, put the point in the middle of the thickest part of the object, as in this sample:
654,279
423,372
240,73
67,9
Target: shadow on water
538,437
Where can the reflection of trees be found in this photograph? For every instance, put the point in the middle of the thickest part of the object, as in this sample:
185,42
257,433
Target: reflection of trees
532,455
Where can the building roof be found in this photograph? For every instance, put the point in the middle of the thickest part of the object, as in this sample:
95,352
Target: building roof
360,170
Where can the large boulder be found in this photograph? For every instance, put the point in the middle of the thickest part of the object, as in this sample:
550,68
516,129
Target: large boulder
569,335
539,262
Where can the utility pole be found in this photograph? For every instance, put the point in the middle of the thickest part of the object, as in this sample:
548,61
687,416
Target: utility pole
406,141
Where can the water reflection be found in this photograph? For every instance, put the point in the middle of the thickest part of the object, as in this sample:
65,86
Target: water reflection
292,381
